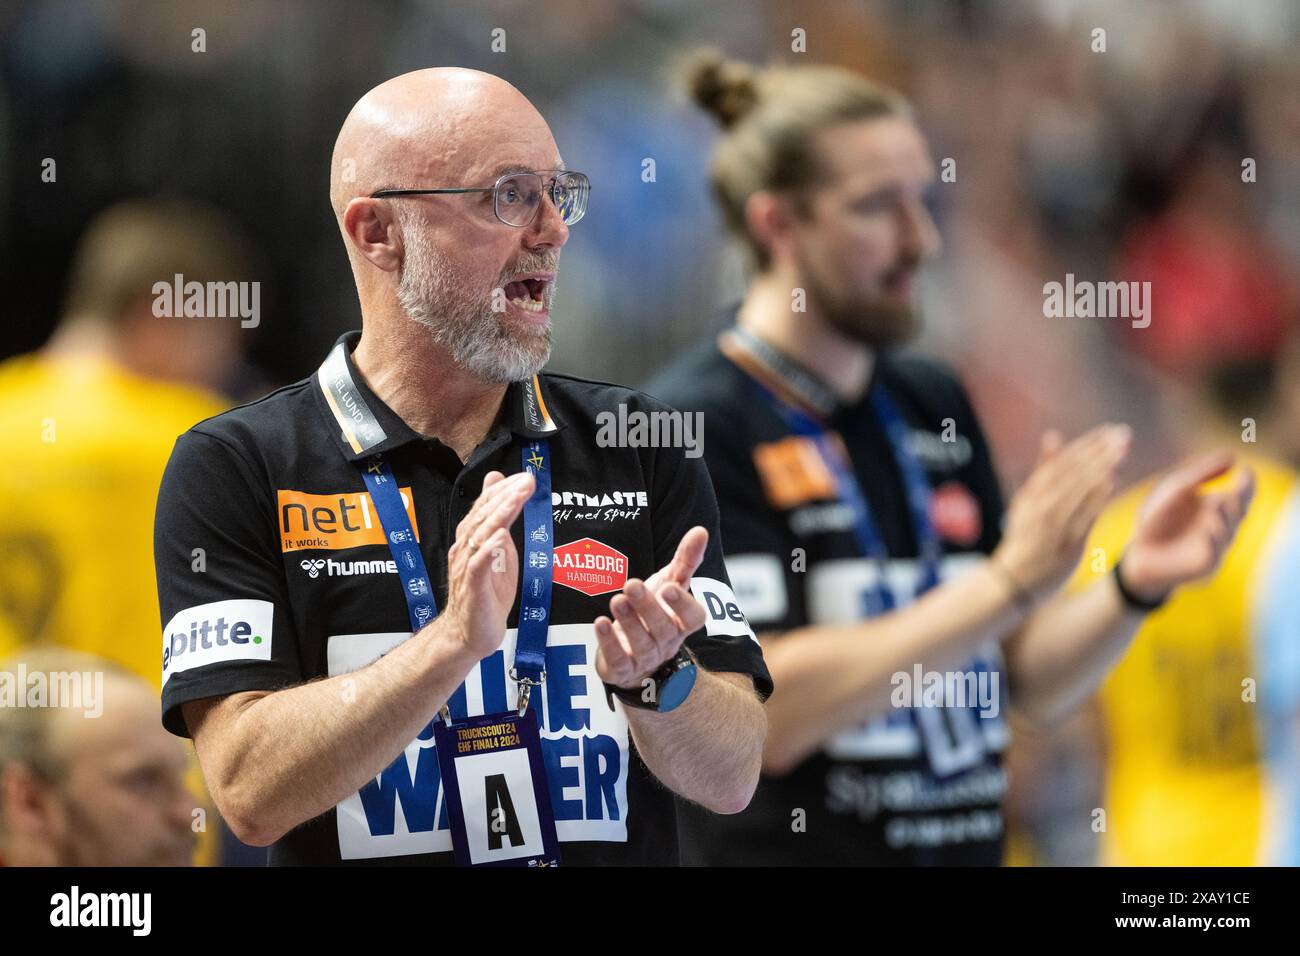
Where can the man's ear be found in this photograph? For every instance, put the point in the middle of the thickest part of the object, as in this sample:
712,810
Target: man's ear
27,801
771,221
373,231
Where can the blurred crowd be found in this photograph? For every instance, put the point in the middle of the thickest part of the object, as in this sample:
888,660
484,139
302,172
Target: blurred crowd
1066,160
1108,140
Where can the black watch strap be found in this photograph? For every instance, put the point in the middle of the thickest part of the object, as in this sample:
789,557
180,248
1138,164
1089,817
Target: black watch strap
1131,600
648,696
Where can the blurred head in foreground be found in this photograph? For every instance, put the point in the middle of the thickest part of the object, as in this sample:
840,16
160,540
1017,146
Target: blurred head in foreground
822,175
88,776
110,307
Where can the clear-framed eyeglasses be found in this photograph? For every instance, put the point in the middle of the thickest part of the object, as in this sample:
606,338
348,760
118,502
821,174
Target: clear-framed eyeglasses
517,197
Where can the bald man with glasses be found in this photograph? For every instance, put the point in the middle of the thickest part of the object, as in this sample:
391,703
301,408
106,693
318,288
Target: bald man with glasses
400,650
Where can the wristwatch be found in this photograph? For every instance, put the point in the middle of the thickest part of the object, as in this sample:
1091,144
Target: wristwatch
1131,600
664,690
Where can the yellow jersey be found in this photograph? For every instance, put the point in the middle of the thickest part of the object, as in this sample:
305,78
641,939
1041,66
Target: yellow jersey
1201,713
85,444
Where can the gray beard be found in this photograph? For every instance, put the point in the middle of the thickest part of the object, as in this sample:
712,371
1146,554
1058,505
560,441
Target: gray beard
475,337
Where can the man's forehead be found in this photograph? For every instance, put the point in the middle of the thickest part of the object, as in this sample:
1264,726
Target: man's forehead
875,151
125,717
123,747
494,172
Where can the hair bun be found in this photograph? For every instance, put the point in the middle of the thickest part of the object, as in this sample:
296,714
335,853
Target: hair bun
727,89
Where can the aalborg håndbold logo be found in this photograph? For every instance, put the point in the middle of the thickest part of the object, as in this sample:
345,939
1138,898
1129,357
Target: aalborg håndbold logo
590,566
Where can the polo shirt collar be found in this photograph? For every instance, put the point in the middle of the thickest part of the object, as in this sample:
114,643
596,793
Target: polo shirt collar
363,425
792,382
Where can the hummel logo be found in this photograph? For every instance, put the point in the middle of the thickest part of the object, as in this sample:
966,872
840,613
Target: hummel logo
313,567
345,569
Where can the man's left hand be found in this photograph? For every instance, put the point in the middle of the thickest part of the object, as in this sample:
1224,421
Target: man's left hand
651,618
1182,533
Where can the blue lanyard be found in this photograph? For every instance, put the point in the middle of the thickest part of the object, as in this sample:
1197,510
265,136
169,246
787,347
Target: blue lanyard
362,431
539,545
395,522
916,485
833,452
535,602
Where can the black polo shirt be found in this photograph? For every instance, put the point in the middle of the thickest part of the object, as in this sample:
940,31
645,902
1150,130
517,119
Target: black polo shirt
273,570
869,795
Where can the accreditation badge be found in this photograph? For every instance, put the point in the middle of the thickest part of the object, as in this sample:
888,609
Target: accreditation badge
498,799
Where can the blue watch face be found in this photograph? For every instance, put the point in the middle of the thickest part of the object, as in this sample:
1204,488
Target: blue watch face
676,688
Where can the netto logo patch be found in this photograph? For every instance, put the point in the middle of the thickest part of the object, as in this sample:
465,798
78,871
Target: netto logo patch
332,522
793,472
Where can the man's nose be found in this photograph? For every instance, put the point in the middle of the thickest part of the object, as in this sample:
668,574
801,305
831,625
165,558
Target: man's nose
920,234
548,228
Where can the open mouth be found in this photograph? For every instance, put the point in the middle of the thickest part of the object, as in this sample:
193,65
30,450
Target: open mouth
527,294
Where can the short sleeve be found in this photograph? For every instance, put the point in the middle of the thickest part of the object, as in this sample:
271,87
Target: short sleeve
684,498
227,625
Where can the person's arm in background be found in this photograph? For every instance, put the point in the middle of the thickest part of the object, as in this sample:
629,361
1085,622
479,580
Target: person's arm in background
833,677
1066,647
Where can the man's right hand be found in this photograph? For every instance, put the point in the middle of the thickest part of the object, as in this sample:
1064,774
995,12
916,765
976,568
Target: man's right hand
1049,517
483,565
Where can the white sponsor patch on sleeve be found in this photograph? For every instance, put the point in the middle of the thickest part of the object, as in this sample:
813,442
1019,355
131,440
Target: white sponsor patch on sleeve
238,630
759,582
723,614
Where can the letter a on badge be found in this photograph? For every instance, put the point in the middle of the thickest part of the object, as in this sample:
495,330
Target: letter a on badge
501,812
